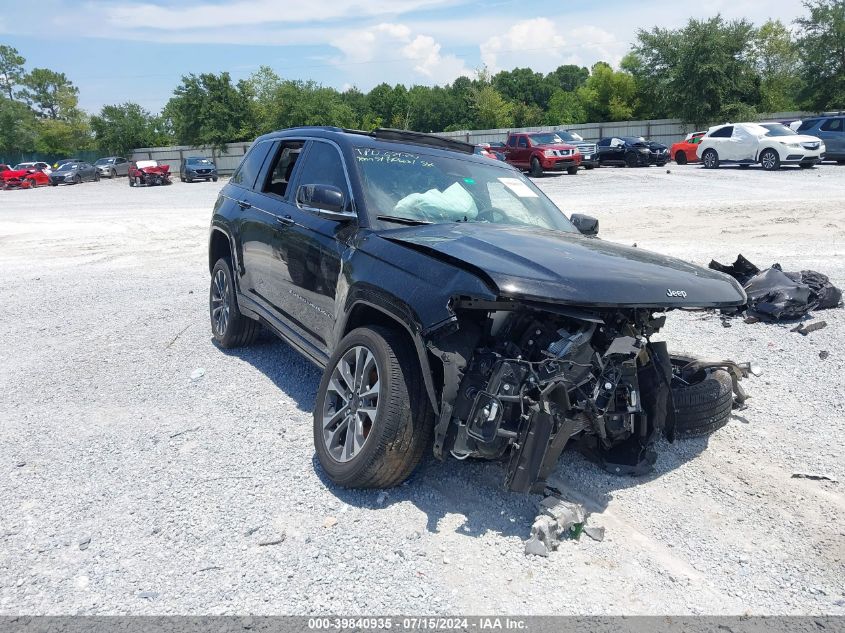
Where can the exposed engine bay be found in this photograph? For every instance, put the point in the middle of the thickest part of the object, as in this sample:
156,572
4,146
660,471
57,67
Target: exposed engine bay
530,379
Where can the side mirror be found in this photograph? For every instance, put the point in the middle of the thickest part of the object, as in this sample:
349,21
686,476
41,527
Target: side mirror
327,199
586,224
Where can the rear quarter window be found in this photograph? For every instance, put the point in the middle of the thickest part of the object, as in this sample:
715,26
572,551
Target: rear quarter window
250,166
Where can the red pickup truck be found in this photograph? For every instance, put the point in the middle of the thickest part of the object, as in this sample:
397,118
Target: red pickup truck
541,151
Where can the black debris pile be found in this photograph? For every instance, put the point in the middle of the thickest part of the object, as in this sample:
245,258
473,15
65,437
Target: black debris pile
775,295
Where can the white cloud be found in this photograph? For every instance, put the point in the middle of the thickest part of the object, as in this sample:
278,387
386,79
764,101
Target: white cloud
538,36
179,16
543,44
386,42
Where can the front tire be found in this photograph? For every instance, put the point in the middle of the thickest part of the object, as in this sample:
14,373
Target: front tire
807,165
681,158
572,171
704,404
710,159
372,420
536,169
631,160
770,160
229,327
112,174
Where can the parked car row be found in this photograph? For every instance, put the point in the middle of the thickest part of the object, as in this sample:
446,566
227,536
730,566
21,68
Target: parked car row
771,145
562,150
73,171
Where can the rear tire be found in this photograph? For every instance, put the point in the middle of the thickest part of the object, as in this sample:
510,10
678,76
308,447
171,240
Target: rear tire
536,168
229,327
770,160
681,158
710,159
703,406
388,445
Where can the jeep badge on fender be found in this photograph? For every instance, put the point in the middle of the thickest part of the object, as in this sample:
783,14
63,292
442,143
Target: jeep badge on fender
676,293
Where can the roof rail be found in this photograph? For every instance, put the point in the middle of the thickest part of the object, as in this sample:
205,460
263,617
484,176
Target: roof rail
418,138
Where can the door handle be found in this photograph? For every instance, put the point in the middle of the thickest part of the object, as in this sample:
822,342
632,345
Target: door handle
285,219
243,204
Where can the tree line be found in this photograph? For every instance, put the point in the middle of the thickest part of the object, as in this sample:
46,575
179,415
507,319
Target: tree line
709,70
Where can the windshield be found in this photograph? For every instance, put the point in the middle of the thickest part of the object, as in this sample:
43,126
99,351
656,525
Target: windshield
417,188
776,129
569,137
550,138
66,167
104,161
198,161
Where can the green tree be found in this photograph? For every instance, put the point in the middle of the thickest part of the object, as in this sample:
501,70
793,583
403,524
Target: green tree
11,70
523,85
568,77
777,58
490,109
565,108
17,127
57,136
121,128
700,72
209,109
51,94
608,95
822,48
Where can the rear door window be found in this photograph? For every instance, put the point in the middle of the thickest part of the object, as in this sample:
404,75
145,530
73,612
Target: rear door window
280,173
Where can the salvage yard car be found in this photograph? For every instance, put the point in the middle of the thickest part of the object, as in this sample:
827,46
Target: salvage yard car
539,152
631,151
452,306
148,173
197,168
831,131
74,173
112,166
769,144
23,176
684,152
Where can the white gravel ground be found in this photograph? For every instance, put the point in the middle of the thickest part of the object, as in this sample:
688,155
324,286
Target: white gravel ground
128,487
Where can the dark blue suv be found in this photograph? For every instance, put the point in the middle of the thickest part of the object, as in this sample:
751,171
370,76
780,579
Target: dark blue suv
831,130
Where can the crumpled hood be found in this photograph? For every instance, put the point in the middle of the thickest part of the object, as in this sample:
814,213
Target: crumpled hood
545,265
160,169
14,173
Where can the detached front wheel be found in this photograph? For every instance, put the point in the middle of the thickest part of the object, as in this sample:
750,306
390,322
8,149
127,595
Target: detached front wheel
372,420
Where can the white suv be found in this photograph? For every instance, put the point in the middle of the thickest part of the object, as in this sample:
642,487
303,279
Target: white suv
770,144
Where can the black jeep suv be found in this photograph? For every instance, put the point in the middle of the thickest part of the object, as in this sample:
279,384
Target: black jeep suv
450,303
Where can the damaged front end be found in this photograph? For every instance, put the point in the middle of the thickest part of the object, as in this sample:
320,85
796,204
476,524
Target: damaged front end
521,380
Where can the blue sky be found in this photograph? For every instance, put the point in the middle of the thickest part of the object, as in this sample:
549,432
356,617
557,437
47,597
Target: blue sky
130,50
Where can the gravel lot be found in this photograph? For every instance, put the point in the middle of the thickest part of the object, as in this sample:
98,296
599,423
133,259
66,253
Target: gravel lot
130,488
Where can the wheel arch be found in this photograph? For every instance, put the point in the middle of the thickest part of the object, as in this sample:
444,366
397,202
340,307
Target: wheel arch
363,313
219,245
